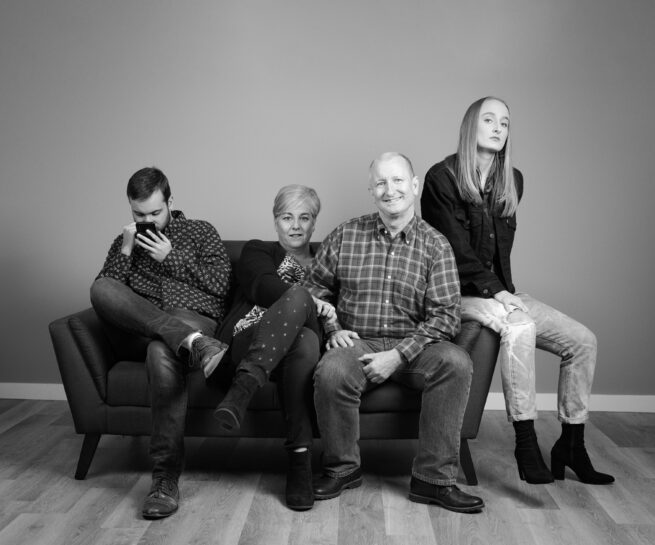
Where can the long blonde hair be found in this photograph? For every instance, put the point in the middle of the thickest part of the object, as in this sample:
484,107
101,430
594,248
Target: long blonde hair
505,196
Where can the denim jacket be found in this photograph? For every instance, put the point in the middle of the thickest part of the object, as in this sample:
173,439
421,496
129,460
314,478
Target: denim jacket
481,240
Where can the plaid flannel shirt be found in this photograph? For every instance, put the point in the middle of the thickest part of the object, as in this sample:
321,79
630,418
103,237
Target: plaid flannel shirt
406,287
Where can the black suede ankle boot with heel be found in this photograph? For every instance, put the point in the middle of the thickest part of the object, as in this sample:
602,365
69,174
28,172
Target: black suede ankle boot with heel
569,450
299,490
532,468
231,410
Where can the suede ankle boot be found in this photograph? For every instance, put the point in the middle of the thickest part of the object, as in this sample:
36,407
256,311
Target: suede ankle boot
532,467
231,410
569,450
299,490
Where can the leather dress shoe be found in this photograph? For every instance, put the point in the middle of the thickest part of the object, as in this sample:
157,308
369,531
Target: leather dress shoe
448,497
162,499
327,487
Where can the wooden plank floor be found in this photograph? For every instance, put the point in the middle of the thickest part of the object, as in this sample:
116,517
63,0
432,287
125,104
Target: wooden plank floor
232,490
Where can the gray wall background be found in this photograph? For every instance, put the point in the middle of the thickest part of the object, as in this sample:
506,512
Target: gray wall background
233,99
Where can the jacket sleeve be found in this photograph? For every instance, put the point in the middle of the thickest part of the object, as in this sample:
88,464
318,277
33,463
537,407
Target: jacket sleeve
206,268
257,273
440,203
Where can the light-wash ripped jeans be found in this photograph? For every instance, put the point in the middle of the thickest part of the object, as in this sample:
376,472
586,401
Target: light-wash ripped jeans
547,329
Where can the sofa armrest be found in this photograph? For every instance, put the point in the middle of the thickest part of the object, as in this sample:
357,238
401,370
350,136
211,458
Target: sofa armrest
84,357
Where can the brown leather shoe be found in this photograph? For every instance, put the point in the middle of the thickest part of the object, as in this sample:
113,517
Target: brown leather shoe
448,497
162,499
327,487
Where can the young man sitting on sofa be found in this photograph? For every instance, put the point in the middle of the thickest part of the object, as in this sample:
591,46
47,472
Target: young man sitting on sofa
165,278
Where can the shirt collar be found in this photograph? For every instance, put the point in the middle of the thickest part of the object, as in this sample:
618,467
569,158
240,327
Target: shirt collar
176,217
407,233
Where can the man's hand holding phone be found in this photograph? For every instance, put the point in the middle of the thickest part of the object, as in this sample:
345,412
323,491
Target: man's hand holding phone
156,244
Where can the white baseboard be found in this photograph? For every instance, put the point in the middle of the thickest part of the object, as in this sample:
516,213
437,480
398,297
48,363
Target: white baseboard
495,400
28,390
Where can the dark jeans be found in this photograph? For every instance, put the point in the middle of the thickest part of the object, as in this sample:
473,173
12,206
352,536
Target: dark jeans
442,371
120,306
285,347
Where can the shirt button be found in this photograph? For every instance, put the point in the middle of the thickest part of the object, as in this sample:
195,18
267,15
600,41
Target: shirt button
386,301
488,263
393,253
492,235
385,325
485,291
389,277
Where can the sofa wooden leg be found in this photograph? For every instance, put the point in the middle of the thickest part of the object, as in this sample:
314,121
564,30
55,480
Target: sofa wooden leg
467,463
86,454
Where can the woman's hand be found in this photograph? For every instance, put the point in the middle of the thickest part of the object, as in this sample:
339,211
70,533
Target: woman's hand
510,301
324,309
341,338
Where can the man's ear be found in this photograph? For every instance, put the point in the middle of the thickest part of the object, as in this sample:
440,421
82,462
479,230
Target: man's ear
415,185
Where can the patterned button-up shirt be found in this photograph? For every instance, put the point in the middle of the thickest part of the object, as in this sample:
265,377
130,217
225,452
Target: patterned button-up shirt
195,275
406,287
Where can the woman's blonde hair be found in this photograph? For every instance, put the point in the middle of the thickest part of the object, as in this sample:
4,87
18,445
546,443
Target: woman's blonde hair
505,196
293,195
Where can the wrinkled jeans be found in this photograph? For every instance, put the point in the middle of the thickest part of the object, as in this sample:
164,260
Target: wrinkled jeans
119,305
547,329
122,307
442,371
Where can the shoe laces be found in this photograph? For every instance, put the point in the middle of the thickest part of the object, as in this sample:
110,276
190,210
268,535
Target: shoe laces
163,486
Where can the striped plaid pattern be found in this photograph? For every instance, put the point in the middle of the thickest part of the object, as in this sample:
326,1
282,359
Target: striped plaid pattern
405,288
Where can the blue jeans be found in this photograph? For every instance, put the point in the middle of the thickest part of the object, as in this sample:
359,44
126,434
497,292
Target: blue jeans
547,329
119,305
442,371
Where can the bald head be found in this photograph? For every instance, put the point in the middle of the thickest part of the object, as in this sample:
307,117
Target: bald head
394,188
389,156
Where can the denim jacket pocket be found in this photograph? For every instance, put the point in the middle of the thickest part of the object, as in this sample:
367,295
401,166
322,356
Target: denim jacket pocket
506,228
462,218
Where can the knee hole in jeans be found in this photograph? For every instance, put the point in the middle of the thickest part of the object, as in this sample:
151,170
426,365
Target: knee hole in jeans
518,317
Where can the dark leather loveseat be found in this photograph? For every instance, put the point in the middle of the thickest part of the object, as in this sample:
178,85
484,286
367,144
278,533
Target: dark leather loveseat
104,376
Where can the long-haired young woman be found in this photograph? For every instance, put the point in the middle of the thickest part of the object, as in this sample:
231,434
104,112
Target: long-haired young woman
472,197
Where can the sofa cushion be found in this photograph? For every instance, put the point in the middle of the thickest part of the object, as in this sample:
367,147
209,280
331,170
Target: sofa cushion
127,385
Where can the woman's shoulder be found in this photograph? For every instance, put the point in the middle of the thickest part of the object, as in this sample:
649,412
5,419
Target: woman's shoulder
444,168
258,244
440,178
518,181
257,249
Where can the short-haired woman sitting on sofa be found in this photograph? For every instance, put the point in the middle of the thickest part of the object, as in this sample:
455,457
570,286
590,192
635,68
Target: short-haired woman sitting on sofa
275,332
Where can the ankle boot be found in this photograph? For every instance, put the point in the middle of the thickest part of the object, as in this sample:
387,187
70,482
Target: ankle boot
532,467
569,450
231,410
299,491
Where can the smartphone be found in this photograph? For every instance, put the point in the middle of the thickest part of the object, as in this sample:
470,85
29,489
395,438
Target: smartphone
143,226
